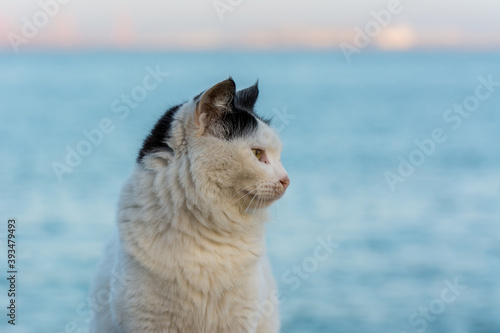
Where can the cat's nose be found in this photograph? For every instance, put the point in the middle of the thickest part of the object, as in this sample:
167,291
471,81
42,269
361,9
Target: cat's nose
285,181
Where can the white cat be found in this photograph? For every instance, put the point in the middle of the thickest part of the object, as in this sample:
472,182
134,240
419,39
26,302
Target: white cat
189,253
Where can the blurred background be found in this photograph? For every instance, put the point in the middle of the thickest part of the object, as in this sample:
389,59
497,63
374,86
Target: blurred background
389,114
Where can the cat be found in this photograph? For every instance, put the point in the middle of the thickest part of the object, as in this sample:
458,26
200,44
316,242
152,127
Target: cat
189,253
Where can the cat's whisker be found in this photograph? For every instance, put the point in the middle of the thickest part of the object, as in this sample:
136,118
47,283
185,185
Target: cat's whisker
258,187
243,196
248,206
247,194
241,190
258,205
244,188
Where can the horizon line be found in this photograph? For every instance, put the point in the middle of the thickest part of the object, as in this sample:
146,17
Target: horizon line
4,49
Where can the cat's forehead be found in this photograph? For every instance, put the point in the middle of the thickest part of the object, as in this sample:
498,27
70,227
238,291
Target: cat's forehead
265,137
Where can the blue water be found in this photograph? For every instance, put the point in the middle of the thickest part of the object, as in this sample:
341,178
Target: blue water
343,126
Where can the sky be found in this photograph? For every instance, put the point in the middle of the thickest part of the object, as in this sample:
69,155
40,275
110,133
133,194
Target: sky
249,24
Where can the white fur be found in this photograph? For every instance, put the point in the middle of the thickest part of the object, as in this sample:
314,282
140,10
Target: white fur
189,252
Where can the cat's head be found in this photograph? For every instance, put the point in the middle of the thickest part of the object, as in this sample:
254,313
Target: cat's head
217,146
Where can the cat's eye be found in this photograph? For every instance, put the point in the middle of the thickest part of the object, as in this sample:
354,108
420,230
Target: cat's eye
257,153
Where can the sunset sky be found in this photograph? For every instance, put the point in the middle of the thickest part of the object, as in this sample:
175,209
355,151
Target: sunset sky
247,24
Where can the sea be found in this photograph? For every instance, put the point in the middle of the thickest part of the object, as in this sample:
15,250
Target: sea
392,219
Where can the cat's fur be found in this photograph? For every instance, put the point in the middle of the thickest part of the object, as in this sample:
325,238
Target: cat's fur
189,254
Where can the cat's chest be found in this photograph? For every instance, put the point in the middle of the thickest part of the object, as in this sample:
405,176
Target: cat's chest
218,267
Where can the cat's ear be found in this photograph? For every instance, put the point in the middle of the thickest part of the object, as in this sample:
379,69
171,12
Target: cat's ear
214,103
246,98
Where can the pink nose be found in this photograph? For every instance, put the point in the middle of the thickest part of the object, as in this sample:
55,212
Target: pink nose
285,182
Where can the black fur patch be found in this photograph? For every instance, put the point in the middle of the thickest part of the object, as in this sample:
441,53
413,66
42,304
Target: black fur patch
156,140
238,123
242,120
247,97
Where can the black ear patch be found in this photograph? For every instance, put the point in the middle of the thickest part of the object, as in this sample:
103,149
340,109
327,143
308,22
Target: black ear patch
246,98
217,100
156,140
238,123
233,116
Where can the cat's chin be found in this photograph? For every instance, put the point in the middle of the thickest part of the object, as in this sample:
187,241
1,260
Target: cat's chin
258,201
265,202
